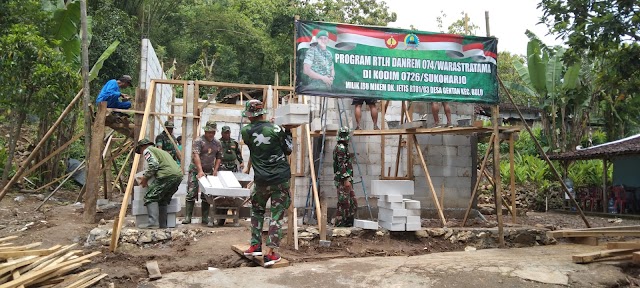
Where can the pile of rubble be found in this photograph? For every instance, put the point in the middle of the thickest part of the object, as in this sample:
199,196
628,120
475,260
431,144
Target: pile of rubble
102,235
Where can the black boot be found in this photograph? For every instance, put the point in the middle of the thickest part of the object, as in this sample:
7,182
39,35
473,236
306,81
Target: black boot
162,216
204,208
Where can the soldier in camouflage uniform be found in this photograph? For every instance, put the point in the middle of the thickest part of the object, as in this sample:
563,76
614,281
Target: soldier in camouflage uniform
318,63
207,154
168,177
269,145
343,170
163,142
230,152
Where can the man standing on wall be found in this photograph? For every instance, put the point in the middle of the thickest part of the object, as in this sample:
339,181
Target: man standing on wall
206,157
343,178
269,145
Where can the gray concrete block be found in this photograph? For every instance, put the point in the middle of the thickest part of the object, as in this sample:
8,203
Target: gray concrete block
388,213
414,212
464,151
411,204
390,205
288,109
292,119
456,140
432,160
442,150
365,224
391,198
394,219
458,182
171,220
138,208
413,219
392,226
413,226
228,179
443,171
395,187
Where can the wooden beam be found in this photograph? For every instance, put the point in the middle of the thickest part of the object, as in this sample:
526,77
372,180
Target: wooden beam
474,192
291,217
400,140
151,113
383,106
591,241
497,188
622,245
117,224
592,256
427,175
94,165
41,143
31,276
618,233
184,123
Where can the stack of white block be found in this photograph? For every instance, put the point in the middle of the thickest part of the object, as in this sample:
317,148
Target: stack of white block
225,184
140,211
292,114
396,213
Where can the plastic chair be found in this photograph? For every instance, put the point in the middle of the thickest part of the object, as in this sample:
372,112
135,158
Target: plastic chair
595,197
582,195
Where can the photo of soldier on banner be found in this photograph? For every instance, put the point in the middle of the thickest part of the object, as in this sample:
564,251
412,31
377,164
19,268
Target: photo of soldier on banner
342,60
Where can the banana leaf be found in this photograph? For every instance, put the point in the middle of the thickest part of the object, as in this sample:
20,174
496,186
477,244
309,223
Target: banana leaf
536,68
95,70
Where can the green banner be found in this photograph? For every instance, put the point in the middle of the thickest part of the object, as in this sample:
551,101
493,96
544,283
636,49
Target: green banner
342,60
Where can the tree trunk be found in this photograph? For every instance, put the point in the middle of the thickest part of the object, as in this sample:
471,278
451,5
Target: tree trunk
12,144
563,128
554,135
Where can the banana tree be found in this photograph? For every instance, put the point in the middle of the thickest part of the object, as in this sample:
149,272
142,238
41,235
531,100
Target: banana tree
547,80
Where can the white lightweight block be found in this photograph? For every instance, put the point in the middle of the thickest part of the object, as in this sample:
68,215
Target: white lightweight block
413,226
171,220
292,119
229,192
394,220
392,187
414,212
391,198
392,212
299,109
138,208
228,179
411,204
174,206
139,192
390,205
413,219
214,182
392,226
365,224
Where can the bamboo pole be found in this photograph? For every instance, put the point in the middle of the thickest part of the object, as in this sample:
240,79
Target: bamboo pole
604,185
497,187
383,105
51,183
428,176
546,158
479,177
400,139
122,170
60,149
44,139
513,180
175,145
60,185
312,169
117,224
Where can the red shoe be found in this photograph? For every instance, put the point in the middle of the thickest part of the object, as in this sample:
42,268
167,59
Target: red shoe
254,250
271,259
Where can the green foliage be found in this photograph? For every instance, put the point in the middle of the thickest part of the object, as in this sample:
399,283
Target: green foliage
588,173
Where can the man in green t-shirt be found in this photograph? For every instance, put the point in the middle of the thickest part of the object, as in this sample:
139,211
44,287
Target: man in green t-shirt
168,177
269,145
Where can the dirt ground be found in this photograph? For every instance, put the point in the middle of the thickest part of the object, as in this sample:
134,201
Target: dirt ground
59,222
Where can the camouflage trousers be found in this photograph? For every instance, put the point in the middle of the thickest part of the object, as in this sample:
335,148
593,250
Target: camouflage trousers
162,189
193,186
280,200
228,166
347,205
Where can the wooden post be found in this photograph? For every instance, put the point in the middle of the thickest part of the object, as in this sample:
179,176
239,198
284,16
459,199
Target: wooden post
291,217
124,165
93,168
497,187
178,152
117,224
545,157
196,109
428,176
402,111
514,210
314,184
605,175
44,139
106,171
383,106
410,144
84,38
185,86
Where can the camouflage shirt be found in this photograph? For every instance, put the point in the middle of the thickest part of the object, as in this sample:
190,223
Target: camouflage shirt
342,166
208,151
163,142
230,151
160,163
269,145
321,62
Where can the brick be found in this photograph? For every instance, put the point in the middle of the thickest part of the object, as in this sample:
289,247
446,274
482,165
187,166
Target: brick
414,212
365,224
394,219
288,109
292,119
228,179
456,140
390,205
396,187
388,213
413,219
392,226
411,204
443,150
443,171
413,226
464,151
391,198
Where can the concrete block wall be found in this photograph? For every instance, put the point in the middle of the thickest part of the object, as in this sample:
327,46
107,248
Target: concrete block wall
151,68
448,157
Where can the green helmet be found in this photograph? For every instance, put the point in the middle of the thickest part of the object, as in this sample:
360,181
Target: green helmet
253,108
344,134
141,143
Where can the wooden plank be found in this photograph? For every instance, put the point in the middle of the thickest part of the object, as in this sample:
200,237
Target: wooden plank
8,238
14,264
16,275
48,257
559,233
623,245
94,165
35,275
629,233
92,281
13,254
591,241
154,270
19,248
635,258
590,257
240,248
312,170
72,279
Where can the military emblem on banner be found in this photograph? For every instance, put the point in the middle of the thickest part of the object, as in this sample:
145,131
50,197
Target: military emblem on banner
412,41
391,42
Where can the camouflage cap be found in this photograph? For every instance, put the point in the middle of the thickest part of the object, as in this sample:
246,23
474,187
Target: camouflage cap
344,134
210,126
253,108
168,124
141,143
226,128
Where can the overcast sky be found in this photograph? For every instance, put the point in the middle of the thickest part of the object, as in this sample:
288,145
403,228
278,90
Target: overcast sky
508,19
